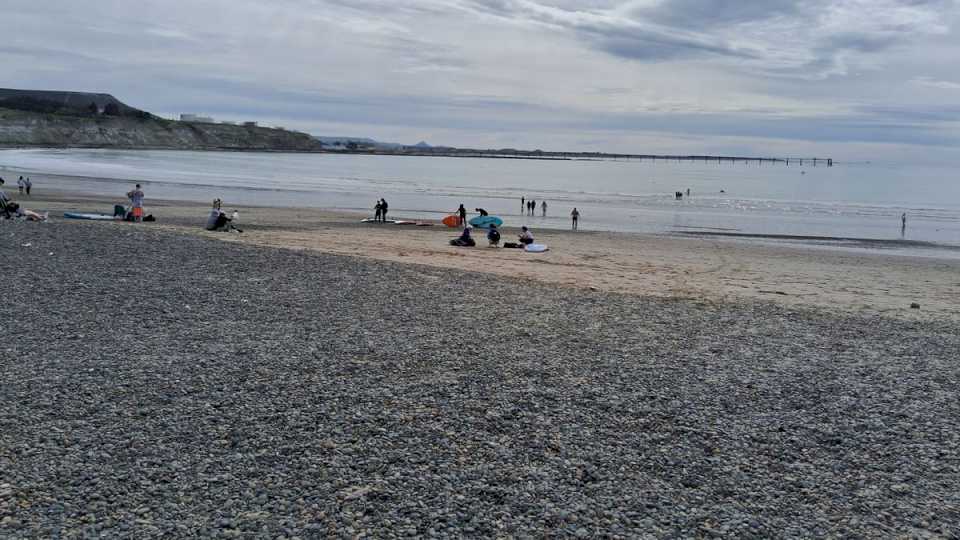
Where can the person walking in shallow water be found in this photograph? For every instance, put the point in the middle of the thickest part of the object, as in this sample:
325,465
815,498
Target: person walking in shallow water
543,209
523,203
574,217
903,224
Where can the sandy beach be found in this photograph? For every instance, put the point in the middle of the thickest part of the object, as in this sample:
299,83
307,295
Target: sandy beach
844,276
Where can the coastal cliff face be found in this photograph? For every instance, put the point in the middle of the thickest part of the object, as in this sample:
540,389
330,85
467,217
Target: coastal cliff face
28,128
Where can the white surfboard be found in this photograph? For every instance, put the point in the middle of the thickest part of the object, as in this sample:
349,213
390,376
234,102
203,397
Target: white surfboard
536,248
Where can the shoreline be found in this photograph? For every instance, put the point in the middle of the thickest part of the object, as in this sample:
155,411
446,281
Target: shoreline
709,268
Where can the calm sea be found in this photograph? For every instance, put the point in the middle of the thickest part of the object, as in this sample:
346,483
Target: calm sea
846,200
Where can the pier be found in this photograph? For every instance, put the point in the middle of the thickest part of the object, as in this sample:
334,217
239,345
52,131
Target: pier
588,156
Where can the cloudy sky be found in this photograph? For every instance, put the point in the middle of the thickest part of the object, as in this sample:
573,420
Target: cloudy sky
855,79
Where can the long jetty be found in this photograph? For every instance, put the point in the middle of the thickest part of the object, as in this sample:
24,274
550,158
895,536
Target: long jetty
586,156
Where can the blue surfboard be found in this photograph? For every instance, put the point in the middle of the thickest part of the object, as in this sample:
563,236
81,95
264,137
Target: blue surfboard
483,222
95,217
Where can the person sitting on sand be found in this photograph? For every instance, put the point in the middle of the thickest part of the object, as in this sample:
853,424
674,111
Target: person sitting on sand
464,240
493,235
482,212
4,202
218,220
526,237
23,213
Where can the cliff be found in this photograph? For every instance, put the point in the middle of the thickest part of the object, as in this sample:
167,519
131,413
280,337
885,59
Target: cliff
84,120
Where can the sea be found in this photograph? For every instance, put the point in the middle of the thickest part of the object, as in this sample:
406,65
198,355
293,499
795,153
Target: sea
848,200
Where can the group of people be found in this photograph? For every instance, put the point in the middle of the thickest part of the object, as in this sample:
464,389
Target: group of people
10,208
24,185
218,220
531,206
380,211
493,238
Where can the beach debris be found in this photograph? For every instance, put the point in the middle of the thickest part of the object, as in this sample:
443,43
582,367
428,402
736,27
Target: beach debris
28,244
914,305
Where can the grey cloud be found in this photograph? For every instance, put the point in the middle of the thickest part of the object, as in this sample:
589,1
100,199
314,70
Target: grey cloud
805,43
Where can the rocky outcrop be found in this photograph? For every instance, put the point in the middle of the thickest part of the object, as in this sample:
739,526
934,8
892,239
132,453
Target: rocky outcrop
25,128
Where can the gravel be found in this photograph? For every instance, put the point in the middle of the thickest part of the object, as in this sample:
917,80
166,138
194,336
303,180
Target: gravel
156,384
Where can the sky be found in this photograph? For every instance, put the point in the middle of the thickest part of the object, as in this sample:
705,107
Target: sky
849,79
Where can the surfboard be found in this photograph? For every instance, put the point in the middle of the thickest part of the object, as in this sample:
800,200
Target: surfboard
401,222
371,220
424,224
536,248
80,215
451,221
483,222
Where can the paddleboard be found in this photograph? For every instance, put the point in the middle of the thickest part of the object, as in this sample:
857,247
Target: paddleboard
536,248
483,222
371,220
96,217
451,221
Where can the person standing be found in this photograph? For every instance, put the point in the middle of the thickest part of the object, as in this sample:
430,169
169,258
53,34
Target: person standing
377,212
523,203
543,209
533,207
28,184
462,215
575,217
20,185
383,210
136,200
903,224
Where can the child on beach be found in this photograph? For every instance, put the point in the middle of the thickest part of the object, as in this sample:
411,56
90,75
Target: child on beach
136,198
20,185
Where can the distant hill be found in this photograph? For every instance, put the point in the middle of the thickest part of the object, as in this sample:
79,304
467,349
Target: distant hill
53,101
87,120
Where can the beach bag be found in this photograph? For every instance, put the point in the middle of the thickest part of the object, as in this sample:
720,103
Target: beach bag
150,218
511,245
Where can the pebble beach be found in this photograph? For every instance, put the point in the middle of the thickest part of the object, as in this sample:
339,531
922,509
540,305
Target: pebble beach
163,384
